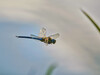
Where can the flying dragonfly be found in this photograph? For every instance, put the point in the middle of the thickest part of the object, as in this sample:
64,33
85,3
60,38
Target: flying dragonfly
42,37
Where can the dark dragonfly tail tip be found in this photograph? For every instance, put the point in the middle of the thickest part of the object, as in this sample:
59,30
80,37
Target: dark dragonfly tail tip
17,36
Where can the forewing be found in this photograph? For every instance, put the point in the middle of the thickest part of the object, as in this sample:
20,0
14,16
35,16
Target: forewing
55,36
42,32
32,35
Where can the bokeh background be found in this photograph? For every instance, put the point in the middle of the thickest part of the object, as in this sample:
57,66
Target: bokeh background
77,51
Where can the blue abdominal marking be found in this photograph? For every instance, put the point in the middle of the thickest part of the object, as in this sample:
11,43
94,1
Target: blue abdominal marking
29,37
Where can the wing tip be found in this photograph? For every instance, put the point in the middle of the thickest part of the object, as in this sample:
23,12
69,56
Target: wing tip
58,34
43,28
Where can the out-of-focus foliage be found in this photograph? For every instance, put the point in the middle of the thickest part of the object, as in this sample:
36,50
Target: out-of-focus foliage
94,23
51,69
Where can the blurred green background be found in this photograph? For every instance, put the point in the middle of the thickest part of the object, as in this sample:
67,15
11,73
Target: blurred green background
77,51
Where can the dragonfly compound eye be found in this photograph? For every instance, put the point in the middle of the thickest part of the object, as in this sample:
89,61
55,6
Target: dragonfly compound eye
53,41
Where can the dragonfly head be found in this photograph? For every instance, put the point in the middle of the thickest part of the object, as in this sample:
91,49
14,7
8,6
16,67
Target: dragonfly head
53,41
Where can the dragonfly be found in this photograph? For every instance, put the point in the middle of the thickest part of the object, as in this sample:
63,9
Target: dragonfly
42,37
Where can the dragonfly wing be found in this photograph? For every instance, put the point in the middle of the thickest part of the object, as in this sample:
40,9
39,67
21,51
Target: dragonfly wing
55,36
42,32
32,35
46,44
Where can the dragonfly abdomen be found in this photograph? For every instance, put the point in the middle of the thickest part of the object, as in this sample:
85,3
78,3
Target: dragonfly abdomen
29,37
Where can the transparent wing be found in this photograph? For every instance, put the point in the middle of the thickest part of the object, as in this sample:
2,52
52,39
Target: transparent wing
55,36
42,32
32,35
46,44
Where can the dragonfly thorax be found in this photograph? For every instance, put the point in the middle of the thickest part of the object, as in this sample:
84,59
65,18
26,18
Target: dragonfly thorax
48,40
